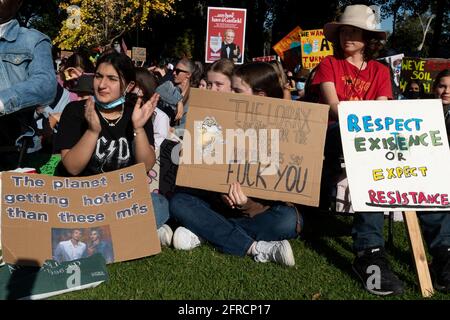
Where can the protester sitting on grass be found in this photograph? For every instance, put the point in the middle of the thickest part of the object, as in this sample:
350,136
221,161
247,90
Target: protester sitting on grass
107,132
353,74
234,223
145,87
146,84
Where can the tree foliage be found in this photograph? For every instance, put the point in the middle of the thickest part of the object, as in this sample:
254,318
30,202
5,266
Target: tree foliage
408,36
100,22
175,28
407,30
43,15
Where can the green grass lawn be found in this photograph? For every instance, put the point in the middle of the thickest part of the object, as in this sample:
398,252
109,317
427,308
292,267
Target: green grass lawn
322,271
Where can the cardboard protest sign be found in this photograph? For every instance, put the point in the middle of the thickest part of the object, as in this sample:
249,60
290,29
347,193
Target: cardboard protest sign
154,174
396,154
422,70
291,40
314,48
139,54
225,34
272,147
64,219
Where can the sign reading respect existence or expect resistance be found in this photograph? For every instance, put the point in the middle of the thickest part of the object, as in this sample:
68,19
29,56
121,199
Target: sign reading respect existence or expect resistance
272,147
64,219
396,155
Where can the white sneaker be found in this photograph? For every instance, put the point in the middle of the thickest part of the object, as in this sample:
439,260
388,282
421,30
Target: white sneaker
276,251
185,239
165,235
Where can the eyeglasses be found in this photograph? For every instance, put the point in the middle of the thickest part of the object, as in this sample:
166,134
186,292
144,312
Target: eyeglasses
177,71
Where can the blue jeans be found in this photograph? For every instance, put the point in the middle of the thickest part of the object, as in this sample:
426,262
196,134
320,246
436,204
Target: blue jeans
367,229
233,236
161,208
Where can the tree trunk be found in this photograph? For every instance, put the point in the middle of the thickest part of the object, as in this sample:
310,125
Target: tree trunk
394,24
437,32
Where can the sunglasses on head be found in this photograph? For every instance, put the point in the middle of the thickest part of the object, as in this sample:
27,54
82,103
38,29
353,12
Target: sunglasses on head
177,71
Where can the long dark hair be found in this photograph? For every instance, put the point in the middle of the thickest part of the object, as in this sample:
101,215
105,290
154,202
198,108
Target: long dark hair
372,46
121,63
146,81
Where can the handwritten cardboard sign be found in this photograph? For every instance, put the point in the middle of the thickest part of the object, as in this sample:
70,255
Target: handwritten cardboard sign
59,218
292,131
139,54
422,70
396,154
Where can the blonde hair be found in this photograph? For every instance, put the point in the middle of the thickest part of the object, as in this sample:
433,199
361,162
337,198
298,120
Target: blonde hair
280,72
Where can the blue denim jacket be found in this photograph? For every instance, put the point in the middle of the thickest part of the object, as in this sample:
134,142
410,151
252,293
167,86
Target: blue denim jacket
27,76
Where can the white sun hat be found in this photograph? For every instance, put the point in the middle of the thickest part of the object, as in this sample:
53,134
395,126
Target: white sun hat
360,16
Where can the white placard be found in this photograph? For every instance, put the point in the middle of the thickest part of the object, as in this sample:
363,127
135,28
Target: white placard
396,154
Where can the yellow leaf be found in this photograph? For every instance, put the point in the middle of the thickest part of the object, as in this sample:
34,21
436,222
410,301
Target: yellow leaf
99,22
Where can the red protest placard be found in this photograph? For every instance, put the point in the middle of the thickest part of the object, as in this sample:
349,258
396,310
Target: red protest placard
225,34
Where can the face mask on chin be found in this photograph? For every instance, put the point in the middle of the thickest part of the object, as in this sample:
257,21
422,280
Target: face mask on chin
113,104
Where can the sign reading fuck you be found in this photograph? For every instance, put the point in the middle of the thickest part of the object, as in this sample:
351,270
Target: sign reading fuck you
272,147
396,155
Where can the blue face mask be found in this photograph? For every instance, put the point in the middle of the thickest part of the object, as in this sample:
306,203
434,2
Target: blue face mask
300,85
113,104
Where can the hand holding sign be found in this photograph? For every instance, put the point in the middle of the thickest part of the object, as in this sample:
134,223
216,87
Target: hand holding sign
236,197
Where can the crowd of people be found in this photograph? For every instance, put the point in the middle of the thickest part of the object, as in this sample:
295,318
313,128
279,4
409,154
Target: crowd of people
109,114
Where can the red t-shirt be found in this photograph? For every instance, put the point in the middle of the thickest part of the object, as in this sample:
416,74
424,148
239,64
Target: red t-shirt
354,84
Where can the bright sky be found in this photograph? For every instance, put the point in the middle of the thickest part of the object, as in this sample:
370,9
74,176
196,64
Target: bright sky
386,24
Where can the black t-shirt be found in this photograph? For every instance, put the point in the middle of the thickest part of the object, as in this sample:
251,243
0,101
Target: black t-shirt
114,149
